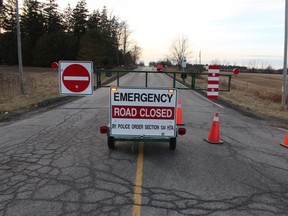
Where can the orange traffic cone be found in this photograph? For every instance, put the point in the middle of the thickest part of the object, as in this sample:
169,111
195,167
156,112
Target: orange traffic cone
179,119
285,142
214,135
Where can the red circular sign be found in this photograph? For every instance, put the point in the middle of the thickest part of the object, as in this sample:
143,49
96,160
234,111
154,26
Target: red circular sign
54,65
76,78
236,71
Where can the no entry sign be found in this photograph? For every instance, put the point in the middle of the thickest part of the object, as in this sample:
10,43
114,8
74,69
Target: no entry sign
76,77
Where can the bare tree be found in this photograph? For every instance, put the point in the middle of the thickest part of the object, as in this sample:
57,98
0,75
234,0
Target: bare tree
125,39
254,64
122,38
180,50
215,62
136,53
264,65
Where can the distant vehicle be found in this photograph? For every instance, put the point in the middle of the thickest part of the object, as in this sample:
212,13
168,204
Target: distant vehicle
159,67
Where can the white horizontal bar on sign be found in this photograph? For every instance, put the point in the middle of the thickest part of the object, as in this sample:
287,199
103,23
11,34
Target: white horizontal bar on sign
80,78
213,71
213,86
212,93
213,78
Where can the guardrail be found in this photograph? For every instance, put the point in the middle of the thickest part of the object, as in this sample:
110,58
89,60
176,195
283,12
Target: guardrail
192,81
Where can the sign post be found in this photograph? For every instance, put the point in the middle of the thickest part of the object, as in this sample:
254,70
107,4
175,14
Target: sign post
76,78
183,64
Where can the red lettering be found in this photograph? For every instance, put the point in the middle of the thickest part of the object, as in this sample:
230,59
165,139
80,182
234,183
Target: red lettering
139,112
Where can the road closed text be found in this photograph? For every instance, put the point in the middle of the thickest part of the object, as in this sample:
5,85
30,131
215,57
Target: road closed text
139,112
143,97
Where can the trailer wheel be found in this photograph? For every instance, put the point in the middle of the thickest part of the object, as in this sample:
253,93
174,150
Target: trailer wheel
172,143
111,142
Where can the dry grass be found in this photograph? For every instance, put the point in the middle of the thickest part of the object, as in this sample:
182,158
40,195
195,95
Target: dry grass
258,92
261,93
39,84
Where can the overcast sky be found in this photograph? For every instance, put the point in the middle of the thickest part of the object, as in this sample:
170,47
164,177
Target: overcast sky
231,31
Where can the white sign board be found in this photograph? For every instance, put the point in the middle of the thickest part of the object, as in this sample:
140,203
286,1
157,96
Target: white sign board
183,64
76,77
143,112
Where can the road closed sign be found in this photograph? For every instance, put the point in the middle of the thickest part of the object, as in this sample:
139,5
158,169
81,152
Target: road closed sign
143,112
76,77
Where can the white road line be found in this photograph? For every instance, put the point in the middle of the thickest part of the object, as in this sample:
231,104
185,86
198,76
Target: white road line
282,129
209,100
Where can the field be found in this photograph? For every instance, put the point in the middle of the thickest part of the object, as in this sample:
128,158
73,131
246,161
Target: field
39,84
255,92
258,92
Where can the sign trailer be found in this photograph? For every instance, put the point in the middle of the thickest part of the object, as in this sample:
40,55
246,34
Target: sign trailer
141,113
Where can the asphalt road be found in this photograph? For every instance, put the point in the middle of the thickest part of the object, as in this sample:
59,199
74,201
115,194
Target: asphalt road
58,163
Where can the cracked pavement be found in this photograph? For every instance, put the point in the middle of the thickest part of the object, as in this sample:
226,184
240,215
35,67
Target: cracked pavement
57,163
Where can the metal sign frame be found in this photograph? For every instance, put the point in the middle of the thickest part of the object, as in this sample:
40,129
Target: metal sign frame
76,79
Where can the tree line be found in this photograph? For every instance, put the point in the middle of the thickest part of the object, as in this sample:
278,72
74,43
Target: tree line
48,35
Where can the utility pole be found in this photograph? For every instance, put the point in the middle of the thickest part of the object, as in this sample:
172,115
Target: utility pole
21,77
1,5
200,57
283,103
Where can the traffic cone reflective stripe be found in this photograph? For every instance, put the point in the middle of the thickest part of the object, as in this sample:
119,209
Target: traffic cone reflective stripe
214,134
285,142
179,117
